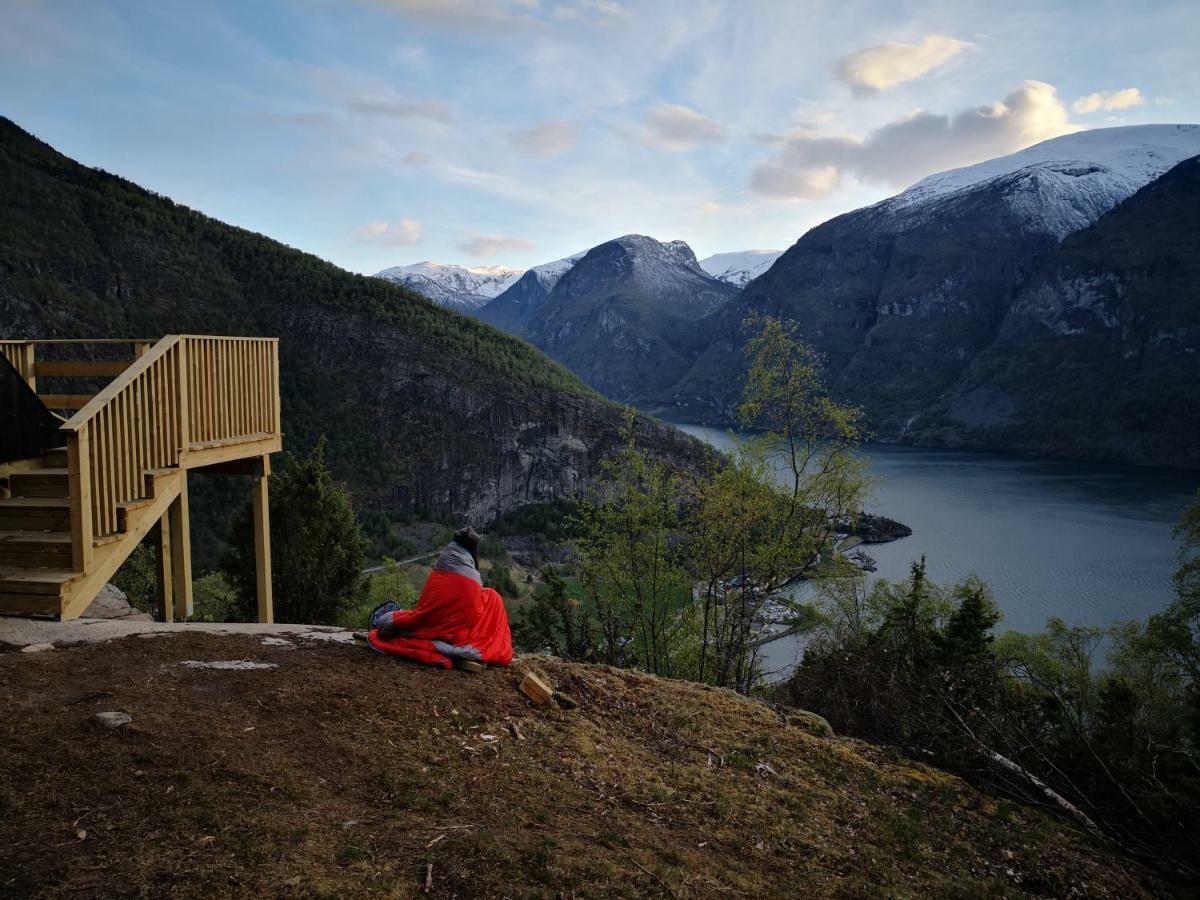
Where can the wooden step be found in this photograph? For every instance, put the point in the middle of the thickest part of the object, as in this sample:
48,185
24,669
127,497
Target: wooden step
56,458
127,511
29,604
33,549
15,580
39,483
35,514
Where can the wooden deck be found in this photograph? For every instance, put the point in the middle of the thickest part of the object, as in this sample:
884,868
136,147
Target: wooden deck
71,516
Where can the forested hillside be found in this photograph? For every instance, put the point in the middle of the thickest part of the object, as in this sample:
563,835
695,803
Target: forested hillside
426,411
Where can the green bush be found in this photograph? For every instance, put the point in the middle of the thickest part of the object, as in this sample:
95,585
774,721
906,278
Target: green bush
214,598
317,546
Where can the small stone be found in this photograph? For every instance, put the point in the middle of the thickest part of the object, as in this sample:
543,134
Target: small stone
81,834
237,664
113,719
37,648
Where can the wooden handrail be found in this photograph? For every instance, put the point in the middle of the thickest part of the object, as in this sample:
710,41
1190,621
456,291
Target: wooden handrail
120,383
78,341
183,395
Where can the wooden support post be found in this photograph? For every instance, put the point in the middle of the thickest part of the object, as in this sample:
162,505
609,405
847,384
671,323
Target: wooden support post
79,490
179,523
29,365
262,542
162,568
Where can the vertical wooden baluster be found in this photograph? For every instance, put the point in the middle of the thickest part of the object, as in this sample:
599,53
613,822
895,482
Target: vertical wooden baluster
80,493
183,388
143,430
156,415
258,387
210,391
227,367
239,387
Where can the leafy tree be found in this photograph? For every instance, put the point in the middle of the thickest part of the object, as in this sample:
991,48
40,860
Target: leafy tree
138,578
630,559
317,546
556,622
214,599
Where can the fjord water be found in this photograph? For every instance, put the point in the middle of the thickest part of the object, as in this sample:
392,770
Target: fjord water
1089,543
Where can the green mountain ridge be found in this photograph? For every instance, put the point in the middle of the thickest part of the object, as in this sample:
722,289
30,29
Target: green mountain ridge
426,411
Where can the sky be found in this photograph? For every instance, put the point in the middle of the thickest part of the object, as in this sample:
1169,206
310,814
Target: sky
383,132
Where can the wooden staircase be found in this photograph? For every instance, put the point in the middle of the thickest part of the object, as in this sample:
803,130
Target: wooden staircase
69,518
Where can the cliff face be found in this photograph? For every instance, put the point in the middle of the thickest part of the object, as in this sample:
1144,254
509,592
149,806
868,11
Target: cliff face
482,450
425,411
1100,353
1050,308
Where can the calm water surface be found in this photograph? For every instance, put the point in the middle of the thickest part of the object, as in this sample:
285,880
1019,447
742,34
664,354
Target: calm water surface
1089,543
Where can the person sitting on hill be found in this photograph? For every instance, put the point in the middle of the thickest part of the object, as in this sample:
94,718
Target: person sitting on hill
456,617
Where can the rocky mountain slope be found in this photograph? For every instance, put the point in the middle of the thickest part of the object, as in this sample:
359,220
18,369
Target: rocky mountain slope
425,411
330,771
515,309
1100,350
740,267
902,296
461,288
624,317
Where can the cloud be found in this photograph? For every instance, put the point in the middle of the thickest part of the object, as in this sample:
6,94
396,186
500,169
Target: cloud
397,108
610,8
547,139
491,244
1109,100
807,166
884,66
416,158
404,233
678,128
465,13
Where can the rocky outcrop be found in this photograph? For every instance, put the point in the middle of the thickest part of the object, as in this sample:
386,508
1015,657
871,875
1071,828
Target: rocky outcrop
878,529
481,451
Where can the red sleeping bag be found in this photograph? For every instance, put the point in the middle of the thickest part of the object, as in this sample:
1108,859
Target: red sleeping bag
455,618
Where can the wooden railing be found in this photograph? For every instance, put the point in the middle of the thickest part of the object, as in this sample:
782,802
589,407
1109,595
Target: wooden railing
183,395
31,364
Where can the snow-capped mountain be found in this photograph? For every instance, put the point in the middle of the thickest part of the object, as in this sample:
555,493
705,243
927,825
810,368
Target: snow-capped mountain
740,267
1066,183
462,288
901,296
624,316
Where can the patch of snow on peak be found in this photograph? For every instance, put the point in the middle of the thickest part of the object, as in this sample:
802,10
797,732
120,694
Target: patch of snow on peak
458,287
1068,182
741,267
549,273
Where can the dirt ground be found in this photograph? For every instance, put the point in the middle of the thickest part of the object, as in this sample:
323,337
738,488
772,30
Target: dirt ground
339,773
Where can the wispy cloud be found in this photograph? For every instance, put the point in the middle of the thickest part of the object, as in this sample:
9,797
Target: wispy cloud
548,138
404,233
885,66
465,13
678,128
807,166
492,244
417,158
1108,101
398,108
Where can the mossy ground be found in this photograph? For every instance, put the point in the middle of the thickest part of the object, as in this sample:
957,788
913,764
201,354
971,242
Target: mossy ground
341,773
